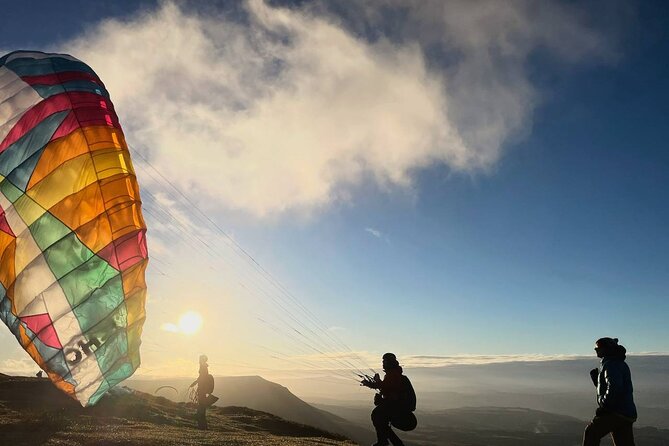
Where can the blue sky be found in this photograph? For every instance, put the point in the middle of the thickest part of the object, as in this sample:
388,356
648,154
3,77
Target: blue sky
552,234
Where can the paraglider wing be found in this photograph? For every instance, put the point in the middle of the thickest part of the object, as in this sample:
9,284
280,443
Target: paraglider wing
72,236
165,387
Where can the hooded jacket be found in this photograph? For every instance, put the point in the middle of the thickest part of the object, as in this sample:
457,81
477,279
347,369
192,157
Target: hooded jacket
614,385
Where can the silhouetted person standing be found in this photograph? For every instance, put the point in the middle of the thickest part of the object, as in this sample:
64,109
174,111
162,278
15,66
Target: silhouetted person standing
205,386
616,412
395,402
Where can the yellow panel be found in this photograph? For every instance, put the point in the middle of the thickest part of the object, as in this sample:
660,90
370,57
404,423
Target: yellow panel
57,152
78,209
135,305
28,209
95,234
112,162
67,179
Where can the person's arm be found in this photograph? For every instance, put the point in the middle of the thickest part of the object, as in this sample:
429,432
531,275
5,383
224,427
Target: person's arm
594,376
613,378
374,383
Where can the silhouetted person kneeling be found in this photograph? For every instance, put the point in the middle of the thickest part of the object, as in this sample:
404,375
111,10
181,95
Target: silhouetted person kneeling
205,386
616,411
395,402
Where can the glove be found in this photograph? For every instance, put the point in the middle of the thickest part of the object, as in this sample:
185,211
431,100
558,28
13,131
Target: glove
594,376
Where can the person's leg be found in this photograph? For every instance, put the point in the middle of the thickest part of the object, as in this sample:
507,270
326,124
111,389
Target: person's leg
381,422
201,417
394,439
623,434
596,430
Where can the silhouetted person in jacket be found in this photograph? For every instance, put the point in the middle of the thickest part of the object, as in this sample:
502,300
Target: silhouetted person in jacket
204,387
394,403
616,410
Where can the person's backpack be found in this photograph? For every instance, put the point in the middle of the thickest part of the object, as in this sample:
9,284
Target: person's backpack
208,384
409,393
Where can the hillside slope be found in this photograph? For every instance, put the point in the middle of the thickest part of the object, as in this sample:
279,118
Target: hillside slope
33,412
257,393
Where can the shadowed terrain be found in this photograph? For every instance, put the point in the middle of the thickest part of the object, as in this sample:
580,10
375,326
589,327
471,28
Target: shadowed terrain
260,394
33,411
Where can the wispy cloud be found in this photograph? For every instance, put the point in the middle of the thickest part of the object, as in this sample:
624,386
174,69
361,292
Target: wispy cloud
375,232
24,366
285,109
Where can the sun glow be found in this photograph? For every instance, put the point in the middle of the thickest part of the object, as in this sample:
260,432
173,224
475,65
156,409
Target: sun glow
189,323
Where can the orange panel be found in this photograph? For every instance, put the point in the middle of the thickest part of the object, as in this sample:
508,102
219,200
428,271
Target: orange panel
133,277
5,240
78,209
7,272
103,137
58,152
59,382
125,219
95,234
119,189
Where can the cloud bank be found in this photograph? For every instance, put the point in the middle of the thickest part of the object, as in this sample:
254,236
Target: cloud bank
286,108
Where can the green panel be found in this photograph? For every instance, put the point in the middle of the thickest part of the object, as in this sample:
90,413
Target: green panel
67,254
104,386
10,191
113,361
47,230
112,351
121,372
99,305
87,278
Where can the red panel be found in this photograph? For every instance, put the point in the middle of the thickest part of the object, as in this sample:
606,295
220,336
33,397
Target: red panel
4,224
87,109
129,249
41,325
69,125
59,78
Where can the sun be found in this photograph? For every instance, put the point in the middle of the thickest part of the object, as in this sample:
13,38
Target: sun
190,322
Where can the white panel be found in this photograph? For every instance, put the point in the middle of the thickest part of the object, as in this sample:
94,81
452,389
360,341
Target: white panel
37,283
16,97
38,56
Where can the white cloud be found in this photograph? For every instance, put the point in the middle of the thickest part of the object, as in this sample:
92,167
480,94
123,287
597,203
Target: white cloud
285,111
23,366
375,232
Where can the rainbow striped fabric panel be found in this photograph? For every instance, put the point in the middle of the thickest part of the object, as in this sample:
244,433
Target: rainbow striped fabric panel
72,237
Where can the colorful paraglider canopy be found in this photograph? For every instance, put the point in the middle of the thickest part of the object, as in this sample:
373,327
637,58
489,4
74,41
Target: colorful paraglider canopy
72,236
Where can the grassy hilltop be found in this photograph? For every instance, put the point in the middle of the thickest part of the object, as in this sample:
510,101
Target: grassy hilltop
33,411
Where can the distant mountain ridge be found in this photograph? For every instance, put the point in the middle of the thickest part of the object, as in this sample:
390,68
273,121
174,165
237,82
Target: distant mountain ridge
258,393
